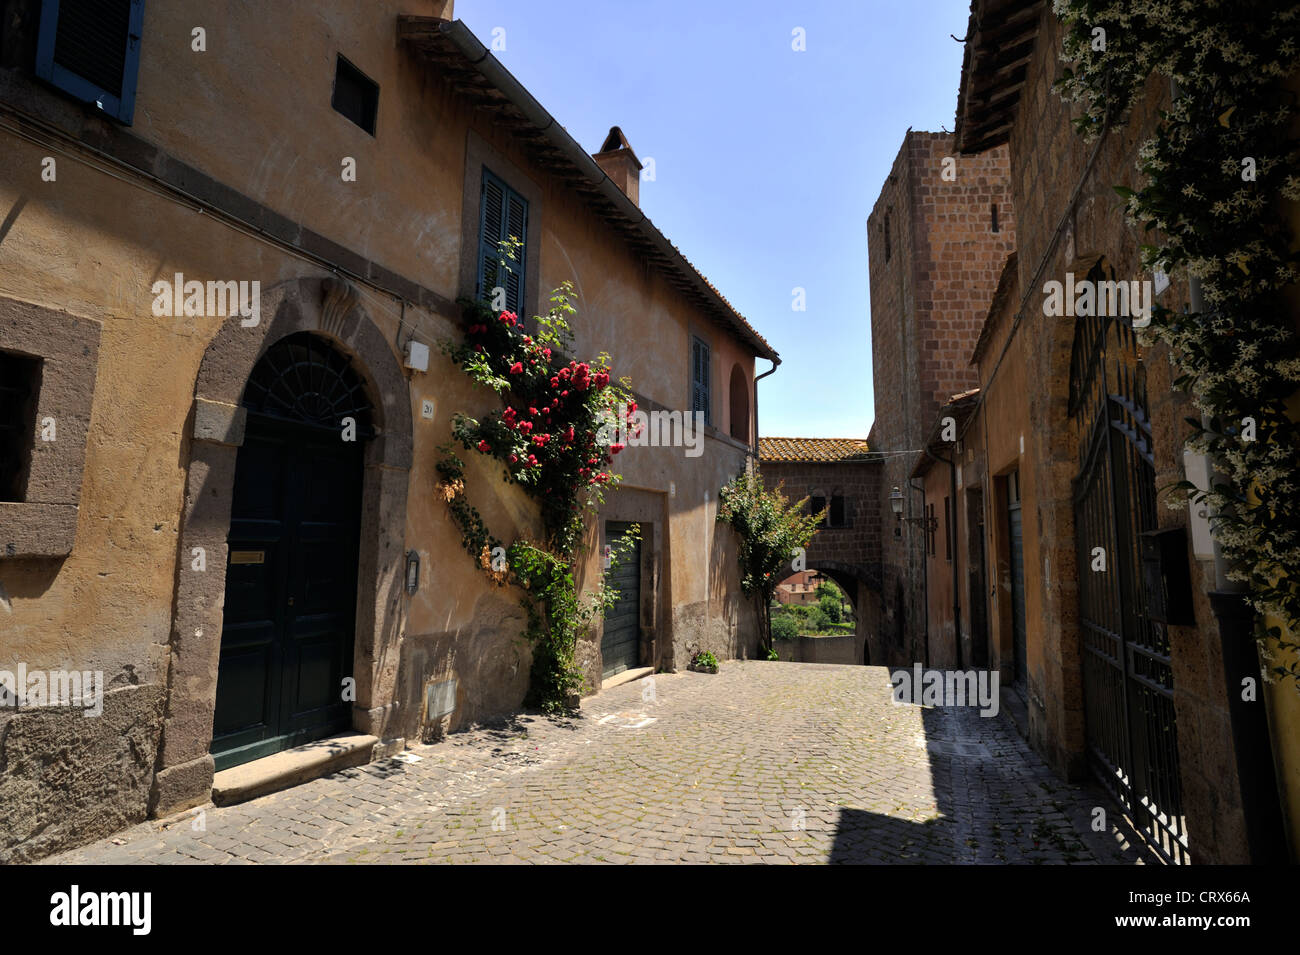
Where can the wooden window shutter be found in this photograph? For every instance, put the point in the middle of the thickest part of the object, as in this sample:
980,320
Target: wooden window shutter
700,379
90,49
503,214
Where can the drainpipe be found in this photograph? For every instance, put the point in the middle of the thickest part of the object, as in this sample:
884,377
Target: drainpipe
776,363
1252,745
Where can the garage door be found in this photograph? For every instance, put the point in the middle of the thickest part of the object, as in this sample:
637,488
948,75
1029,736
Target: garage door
621,643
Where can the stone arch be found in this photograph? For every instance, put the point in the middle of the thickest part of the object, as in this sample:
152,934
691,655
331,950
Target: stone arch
329,307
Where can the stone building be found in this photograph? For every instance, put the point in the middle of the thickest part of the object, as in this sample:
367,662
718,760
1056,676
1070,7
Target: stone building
842,477
1057,561
937,236
196,531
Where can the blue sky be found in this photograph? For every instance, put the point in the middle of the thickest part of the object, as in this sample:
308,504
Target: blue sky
767,160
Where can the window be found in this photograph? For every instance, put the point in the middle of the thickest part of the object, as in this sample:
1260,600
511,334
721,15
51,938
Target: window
20,383
90,49
993,212
356,95
817,504
739,404
48,364
836,516
947,528
700,380
503,217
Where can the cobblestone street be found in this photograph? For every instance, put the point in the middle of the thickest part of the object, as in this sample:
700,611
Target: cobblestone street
763,762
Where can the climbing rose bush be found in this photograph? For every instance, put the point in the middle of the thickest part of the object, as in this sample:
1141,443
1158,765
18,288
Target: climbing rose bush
551,437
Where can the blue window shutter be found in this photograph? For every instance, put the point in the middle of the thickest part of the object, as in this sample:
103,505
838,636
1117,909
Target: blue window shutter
90,49
503,213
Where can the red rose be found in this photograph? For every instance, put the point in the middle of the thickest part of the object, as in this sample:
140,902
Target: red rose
517,368
483,446
514,458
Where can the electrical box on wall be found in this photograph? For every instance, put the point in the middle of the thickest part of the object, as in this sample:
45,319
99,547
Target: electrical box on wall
417,356
1166,578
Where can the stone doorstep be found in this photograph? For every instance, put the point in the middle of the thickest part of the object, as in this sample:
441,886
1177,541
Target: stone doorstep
627,676
299,765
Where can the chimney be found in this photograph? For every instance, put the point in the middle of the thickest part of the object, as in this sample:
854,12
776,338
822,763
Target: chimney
620,164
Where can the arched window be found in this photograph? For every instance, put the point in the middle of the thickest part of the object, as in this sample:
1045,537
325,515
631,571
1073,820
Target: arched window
739,404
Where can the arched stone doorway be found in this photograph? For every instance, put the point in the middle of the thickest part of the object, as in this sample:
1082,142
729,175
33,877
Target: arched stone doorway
330,310
289,621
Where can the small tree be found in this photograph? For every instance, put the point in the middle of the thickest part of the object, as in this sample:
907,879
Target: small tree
830,608
771,531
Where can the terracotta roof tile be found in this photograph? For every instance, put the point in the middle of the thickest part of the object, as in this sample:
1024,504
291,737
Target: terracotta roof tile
818,450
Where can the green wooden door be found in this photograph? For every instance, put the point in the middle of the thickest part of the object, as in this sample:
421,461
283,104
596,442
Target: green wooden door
620,646
289,619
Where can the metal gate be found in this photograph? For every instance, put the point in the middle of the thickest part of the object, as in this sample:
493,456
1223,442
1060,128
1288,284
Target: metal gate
1127,680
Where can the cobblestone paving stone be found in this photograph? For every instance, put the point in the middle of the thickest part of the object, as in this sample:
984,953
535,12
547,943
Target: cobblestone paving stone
762,762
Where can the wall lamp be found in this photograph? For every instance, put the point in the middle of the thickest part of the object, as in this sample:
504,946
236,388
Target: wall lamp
896,505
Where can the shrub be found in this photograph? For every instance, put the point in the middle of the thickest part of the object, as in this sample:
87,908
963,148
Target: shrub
784,626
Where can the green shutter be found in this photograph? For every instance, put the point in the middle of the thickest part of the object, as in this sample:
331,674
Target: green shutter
700,379
503,214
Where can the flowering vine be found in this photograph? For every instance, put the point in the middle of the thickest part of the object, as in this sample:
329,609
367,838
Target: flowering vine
1216,175
551,437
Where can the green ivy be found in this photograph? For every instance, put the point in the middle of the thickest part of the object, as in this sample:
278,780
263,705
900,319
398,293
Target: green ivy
1216,175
